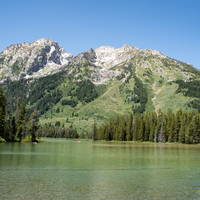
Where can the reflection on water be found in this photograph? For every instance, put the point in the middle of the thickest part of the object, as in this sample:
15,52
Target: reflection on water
65,169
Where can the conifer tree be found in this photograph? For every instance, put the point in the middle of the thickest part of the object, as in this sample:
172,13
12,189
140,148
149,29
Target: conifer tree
114,128
2,113
106,132
8,119
2,123
153,125
178,123
103,132
135,126
129,127
140,135
182,129
152,131
34,125
99,133
20,119
122,129
117,134
147,127
13,129
109,130
171,128
189,137
197,130
165,129
160,126
161,137
156,135
169,112
190,128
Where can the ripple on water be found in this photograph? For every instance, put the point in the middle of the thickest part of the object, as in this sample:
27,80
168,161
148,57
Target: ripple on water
68,170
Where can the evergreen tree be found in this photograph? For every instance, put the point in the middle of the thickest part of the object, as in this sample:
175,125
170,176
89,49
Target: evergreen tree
178,124
197,127
140,135
182,129
161,127
106,133
117,134
156,135
129,128
20,119
103,132
13,129
165,128
116,130
135,126
122,129
8,119
34,125
147,127
99,133
171,128
2,114
153,124
189,137
110,129
161,137
2,123
94,132
152,131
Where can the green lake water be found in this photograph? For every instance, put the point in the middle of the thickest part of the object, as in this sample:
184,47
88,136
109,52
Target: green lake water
66,169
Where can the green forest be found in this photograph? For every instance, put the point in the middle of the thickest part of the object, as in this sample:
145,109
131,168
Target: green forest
182,127
15,126
43,93
24,101
190,89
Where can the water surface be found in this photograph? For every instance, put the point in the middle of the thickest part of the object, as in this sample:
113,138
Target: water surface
65,169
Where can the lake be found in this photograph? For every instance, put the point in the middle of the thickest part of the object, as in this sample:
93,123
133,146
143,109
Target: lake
66,169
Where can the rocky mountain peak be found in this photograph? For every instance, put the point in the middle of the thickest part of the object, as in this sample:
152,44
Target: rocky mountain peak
127,48
44,56
148,52
108,57
104,49
28,59
43,41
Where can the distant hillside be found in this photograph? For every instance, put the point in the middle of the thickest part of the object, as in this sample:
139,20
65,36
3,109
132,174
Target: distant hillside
98,84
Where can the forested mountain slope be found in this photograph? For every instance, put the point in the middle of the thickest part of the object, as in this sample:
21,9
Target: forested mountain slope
96,85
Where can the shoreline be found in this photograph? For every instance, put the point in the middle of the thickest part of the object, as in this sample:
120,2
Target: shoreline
137,142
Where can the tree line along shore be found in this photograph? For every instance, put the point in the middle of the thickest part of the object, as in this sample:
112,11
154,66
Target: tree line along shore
182,127
16,127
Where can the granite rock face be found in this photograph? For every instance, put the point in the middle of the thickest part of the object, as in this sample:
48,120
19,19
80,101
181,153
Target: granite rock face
44,57
28,59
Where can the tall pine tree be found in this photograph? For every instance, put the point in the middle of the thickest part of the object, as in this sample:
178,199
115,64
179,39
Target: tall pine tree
33,125
2,114
20,119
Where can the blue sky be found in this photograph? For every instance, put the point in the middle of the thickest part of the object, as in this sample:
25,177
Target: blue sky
169,26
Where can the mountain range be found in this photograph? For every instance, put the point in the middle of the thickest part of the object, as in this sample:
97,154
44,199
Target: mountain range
96,85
